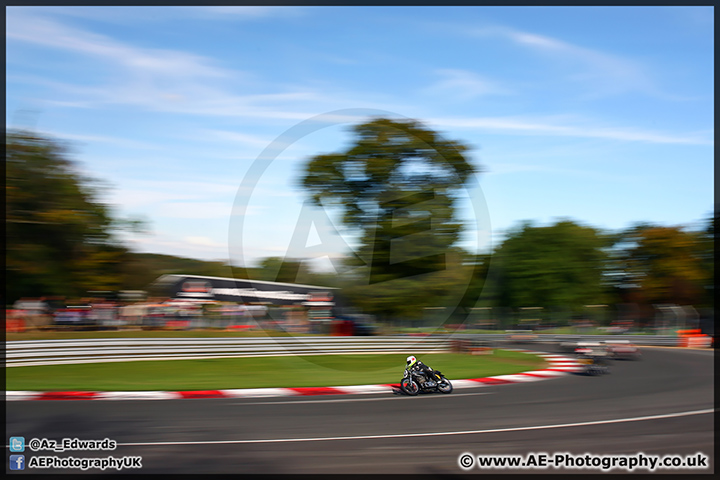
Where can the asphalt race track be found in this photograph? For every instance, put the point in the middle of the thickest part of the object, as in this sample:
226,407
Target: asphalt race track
662,404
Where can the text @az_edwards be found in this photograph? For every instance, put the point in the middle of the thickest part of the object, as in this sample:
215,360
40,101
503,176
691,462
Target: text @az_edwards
71,444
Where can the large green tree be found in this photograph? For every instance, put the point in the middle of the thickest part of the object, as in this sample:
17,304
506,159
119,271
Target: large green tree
396,189
560,265
59,235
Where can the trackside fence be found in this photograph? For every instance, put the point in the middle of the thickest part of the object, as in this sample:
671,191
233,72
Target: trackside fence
56,352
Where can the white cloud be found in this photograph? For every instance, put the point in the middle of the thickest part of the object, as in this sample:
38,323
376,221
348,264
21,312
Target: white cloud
38,30
160,14
507,168
204,242
243,210
504,168
605,73
199,248
254,141
463,85
160,79
130,198
196,210
190,188
241,12
165,80
115,141
525,126
175,199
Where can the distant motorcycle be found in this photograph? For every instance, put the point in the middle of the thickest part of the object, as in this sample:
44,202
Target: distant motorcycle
414,382
594,365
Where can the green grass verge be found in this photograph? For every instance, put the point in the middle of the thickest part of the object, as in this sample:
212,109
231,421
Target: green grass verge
258,372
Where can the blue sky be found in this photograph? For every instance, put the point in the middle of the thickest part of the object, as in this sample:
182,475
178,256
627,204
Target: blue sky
201,118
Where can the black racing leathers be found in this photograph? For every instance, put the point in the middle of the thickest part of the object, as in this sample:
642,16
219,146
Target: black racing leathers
421,367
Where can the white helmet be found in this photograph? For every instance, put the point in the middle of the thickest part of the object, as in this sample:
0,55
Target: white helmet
411,360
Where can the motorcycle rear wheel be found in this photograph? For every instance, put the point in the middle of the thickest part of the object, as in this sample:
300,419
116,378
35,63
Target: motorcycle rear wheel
409,386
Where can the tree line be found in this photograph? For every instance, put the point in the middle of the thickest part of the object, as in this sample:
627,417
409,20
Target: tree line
396,186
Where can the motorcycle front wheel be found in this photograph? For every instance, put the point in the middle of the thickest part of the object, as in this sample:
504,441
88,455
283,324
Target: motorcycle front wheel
409,386
445,386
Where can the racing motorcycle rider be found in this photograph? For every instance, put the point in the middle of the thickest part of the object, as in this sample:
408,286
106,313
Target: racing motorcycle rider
413,364
595,352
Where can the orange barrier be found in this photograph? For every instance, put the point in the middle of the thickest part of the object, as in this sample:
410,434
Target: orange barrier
694,338
14,321
14,325
693,331
699,341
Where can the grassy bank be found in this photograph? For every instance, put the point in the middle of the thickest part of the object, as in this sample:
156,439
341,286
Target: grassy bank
258,372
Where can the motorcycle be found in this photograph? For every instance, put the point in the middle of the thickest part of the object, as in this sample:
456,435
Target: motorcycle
414,382
594,365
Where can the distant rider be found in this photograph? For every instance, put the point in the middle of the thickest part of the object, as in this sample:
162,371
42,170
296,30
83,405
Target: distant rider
415,365
593,351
